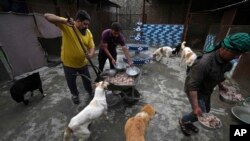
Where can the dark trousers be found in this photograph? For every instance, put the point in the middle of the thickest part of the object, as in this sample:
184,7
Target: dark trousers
71,74
102,57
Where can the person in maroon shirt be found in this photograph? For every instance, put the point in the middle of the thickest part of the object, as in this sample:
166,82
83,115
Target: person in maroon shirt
111,38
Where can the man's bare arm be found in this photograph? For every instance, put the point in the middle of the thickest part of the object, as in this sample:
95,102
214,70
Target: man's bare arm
55,19
193,99
91,52
125,51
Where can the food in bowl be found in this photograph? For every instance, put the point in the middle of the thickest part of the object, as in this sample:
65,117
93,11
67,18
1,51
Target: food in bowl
210,121
133,71
121,79
231,96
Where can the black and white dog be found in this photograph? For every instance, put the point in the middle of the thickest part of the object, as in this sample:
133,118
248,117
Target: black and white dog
176,50
24,85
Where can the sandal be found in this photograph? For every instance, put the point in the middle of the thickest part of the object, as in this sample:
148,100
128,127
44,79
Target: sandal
184,128
75,99
192,127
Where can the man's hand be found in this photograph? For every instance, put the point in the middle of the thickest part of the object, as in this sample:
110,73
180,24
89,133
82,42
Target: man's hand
113,62
90,55
130,63
70,22
197,111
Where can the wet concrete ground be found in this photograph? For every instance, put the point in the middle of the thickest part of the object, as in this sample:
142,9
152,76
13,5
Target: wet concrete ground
161,85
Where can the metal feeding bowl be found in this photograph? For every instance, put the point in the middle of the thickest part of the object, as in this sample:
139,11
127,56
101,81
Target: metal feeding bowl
119,67
133,71
242,113
210,121
109,72
246,102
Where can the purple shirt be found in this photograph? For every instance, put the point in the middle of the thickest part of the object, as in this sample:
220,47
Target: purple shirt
111,40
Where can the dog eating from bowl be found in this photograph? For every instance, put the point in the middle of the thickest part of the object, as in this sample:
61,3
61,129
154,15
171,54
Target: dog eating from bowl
79,124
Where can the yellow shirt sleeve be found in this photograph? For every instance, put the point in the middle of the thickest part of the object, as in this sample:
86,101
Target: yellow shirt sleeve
72,54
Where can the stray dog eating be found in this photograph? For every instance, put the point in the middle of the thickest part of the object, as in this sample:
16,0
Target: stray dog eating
135,127
79,124
165,51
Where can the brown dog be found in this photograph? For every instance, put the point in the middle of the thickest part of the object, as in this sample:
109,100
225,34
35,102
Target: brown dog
135,127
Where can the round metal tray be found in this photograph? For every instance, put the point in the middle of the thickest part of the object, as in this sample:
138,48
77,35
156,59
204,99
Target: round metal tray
242,113
227,99
206,126
246,102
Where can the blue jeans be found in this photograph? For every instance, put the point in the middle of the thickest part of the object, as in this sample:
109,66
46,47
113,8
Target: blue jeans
204,103
71,74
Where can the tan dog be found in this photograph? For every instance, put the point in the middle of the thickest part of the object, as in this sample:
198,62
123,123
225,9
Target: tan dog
78,125
187,55
135,127
165,51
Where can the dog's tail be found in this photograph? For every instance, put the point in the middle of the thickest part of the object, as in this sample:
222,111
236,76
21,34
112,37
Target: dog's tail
183,44
67,133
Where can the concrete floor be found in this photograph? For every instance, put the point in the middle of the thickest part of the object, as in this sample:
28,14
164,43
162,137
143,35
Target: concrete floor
161,85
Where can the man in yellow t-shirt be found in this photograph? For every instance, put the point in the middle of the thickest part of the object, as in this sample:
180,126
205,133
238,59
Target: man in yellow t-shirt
72,55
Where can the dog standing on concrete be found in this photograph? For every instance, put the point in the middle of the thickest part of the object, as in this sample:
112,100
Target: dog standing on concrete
165,51
136,126
187,55
78,125
24,85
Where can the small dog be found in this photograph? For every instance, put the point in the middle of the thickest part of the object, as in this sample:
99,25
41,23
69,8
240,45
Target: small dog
78,125
135,127
176,50
24,85
165,51
187,55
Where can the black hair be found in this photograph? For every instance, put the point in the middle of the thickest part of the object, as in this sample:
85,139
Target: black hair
82,15
116,27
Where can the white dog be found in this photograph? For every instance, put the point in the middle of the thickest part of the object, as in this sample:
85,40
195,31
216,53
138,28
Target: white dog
78,125
187,55
165,51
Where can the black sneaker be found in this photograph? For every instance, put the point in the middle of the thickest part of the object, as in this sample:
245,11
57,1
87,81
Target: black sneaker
75,99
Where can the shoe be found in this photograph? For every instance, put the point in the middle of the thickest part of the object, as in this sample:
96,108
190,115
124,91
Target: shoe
192,127
186,131
75,99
